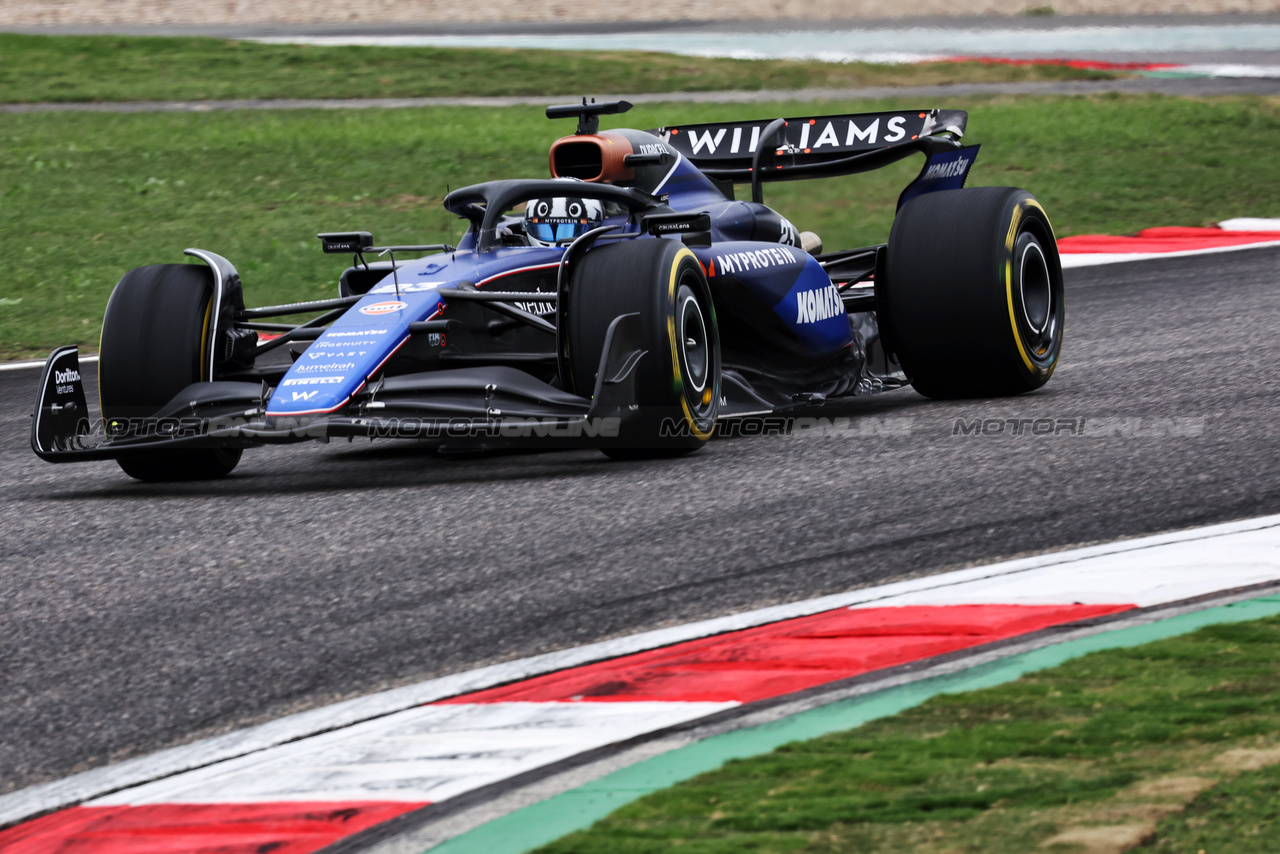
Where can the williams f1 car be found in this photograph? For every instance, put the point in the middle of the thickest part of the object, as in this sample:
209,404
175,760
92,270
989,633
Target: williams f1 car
629,303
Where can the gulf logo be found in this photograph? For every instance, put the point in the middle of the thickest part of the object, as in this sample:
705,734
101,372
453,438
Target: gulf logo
381,308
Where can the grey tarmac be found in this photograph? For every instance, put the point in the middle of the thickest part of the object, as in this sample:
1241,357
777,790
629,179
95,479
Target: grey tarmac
979,22
1186,87
141,616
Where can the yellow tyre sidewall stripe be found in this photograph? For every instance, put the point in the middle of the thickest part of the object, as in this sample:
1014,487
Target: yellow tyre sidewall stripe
677,377
1010,239
204,340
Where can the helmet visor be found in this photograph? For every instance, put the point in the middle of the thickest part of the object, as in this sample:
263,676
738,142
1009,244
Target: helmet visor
550,231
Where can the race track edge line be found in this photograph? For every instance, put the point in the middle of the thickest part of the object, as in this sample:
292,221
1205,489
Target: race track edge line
43,798
1097,259
532,826
36,363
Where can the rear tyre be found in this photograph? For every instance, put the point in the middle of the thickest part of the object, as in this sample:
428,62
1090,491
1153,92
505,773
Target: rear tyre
154,340
972,293
678,381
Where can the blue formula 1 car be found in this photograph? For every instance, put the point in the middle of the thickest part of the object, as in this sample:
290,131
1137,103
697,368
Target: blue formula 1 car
628,303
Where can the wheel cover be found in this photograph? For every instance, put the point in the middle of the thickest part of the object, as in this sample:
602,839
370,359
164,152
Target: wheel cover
1038,319
1035,295
695,355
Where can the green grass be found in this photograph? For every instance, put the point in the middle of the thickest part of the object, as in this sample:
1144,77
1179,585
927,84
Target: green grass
125,68
85,197
1099,748
1239,816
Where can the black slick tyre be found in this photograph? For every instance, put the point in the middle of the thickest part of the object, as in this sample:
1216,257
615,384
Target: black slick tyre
972,293
154,339
678,380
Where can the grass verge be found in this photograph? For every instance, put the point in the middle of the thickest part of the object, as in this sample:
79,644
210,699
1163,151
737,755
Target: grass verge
1240,815
128,68
1087,756
85,197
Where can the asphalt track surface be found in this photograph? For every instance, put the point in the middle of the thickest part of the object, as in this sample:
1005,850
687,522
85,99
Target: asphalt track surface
1144,47
142,616
1186,87
1032,24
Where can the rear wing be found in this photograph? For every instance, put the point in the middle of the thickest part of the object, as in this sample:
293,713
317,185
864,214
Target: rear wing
813,147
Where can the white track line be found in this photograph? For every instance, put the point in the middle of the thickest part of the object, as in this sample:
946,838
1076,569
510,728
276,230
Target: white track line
422,755
1236,70
36,363
1250,223
104,781
1154,575
1092,259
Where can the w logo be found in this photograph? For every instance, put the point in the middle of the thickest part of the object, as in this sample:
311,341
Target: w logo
307,396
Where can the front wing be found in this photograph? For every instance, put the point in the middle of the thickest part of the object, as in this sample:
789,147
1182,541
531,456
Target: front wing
466,406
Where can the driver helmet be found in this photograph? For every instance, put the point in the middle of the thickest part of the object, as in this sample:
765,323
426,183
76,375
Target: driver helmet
547,221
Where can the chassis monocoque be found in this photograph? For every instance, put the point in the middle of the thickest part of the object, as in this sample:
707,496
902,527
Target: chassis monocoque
683,308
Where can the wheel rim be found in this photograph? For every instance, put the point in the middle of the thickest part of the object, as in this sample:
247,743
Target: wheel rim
1035,289
696,350
1039,301
695,355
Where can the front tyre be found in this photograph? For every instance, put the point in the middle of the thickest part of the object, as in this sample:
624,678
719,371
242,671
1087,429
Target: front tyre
678,380
972,293
155,335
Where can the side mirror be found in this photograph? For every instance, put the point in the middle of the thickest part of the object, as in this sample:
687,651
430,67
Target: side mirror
342,242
